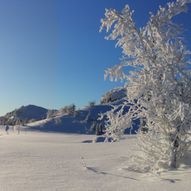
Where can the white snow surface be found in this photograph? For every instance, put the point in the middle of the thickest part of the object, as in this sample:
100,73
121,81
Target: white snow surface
62,162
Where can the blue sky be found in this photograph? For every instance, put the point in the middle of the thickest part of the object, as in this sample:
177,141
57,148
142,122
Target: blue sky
51,53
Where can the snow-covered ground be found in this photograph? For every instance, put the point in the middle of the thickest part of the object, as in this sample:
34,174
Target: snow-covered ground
62,162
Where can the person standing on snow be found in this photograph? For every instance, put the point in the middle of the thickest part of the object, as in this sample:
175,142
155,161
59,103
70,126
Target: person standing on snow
7,129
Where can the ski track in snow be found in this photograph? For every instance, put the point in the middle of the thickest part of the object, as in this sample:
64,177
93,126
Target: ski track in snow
61,162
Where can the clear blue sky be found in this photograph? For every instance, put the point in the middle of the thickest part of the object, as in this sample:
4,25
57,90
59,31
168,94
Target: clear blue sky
51,53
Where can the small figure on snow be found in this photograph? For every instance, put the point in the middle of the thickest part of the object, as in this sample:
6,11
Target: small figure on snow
7,129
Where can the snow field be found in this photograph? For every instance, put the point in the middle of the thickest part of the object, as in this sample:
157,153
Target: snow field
61,162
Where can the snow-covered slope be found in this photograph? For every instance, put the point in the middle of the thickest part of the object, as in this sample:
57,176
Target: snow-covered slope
61,162
80,122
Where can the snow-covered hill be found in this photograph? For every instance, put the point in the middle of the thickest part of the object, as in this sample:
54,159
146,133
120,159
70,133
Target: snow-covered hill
79,122
84,121
24,114
67,119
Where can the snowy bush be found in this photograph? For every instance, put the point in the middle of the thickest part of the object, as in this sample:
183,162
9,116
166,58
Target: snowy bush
51,113
90,104
158,85
113,95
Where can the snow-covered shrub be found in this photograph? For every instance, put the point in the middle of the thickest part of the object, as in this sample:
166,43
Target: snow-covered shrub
158,85
71,109
67,110
113,95
51,113
90,105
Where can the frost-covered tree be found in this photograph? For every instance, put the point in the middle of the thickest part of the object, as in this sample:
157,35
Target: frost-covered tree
91,104
71,109
158,85
51,113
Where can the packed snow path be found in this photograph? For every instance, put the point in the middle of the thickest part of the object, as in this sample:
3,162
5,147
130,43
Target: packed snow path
60,162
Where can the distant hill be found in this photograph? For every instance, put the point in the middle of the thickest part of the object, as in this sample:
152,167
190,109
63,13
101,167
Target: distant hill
24,114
